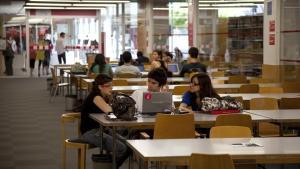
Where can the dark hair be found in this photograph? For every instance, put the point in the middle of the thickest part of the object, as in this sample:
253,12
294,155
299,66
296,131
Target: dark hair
62,34
169,54
100,61
159,75
139,54
127,57
100,79
193,52
159,53
206,88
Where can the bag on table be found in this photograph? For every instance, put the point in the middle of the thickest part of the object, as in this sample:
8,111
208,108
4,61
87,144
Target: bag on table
224,105
123,106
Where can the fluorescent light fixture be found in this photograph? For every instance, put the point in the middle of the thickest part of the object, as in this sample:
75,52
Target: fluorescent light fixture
84,8
48,4
160,9
63,1
233,5
44,7
105,1
232,1
216,8
86,5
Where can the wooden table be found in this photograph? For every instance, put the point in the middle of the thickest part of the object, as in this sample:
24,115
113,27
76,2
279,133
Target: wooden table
272,150
200,119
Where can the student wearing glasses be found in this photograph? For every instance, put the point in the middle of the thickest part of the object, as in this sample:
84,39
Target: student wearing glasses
98,102
200,87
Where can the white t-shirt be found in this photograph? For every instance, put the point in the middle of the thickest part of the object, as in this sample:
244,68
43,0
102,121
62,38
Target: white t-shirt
127,69
60,47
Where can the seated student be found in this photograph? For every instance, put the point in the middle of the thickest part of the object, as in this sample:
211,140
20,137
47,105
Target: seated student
200,87
167,57
98,102
157,82
100,66
141,59
193,63
127,67
157,62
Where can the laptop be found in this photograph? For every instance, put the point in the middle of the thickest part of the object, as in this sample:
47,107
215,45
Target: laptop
173,68
156,102
141,68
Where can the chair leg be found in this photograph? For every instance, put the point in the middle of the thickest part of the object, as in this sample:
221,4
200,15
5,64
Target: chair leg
81,158
54,95
64,153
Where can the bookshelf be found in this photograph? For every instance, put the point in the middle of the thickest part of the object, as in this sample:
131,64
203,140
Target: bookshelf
245,37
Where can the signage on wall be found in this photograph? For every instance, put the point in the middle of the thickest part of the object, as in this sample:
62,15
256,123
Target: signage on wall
272,39
269,8
272,26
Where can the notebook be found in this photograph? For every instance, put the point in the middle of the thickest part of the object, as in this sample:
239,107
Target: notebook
156,102
173,68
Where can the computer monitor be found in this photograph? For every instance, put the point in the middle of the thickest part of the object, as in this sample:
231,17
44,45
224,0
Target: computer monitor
173,68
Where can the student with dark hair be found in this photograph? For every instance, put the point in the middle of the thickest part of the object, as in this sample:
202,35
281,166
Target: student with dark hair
200,87
60,48
98,102
193,64
167,57
157,82
127,67
100,66
141,59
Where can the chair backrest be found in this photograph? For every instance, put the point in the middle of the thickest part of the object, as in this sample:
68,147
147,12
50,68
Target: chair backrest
126,75
73,117
270,90
120,82
234,120
218,74
249,88
260,80
263,104
174,126
237,79
289,103
208,161
147,67
291,87
230,132
179,90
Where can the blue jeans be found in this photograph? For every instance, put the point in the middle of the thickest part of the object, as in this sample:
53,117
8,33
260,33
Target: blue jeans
93,137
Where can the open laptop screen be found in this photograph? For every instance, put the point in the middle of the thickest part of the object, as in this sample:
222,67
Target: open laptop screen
173,68
156,102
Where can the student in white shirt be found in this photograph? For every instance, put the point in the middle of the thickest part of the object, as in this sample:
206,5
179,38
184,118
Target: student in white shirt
157,82
127,67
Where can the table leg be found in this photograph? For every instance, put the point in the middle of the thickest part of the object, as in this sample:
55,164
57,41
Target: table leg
101,140
114,150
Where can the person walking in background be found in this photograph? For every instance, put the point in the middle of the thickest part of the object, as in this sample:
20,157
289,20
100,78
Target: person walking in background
48,49
32,56
60,48
40,53
9,53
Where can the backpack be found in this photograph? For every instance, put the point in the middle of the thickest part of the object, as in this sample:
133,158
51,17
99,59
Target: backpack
225,103
123,106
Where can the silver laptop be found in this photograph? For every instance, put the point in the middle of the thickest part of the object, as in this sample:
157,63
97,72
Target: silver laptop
156,102
173,68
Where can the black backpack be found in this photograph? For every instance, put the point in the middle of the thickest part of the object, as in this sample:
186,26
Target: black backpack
123,106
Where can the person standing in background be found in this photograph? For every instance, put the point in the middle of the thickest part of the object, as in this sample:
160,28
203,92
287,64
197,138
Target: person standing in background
48,49
9,53
60,48
2,48
40,53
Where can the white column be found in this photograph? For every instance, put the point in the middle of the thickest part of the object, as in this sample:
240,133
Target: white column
271,15
195,23
149,25
123,27
27,37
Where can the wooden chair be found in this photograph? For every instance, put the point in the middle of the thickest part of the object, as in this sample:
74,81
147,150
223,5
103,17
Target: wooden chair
260,80
77,143
147,67
289,103
266,129
291,87
174,126
180,90
56,84
127,75
234,120
249,88
237,79
120,83
218,74
205,161
230,132
270,90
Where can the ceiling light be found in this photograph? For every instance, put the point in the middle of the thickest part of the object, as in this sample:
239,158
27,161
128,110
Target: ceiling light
104,1
44,7
64,1
233,1
84,8
47,4
104,5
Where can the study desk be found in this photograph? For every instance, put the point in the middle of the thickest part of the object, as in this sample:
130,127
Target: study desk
271,150
200,119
